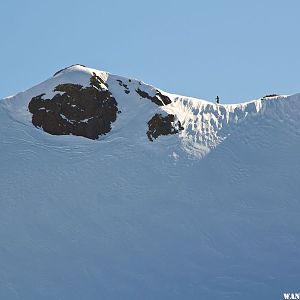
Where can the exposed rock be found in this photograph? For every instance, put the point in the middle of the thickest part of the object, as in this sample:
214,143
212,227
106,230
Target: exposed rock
158,99
76,110
162,125
270,96
96,81
159,124
126,89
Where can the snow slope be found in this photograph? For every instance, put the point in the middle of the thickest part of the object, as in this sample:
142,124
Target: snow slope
212,211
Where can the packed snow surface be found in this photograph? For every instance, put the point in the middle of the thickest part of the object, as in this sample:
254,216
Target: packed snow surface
210,212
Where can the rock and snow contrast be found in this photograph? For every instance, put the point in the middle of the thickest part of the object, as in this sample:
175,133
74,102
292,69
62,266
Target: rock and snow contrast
113,189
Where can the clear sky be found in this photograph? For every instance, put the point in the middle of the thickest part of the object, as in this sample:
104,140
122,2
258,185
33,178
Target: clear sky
239,50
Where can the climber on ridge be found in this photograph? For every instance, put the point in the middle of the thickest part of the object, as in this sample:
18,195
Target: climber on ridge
217,100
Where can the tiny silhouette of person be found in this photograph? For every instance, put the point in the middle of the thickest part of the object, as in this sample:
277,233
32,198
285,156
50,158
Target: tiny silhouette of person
217,100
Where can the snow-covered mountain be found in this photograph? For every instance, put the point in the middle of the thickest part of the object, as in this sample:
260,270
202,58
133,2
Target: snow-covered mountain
113,189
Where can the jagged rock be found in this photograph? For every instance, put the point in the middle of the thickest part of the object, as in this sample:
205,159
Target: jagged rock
83,111
270,96
162,125
126,89
158,99
159,124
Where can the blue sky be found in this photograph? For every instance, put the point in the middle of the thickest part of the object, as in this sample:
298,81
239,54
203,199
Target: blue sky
239,50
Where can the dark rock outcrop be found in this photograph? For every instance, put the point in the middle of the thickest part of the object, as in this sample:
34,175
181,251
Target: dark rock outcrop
159,124
270,96
162,125
159,99
83,111
125,86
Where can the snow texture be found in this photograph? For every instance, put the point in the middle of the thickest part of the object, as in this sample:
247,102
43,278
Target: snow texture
210,212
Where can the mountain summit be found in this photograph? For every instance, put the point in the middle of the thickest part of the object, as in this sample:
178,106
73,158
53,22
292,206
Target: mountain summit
90,103
114,189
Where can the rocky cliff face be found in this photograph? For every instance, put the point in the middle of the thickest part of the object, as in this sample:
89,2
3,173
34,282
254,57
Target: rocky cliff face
83,111
89,111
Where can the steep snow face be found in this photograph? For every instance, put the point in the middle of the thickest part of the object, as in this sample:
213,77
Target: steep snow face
206,124
126,218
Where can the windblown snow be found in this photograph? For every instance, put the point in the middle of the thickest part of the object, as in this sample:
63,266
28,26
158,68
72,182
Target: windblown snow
208,209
